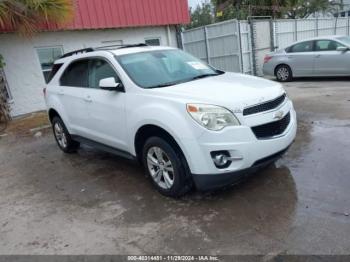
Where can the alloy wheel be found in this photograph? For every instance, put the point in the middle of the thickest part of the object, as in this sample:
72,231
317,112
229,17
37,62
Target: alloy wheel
60,135
160,167
283,73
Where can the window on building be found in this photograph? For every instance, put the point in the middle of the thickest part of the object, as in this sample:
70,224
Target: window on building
153,41
76,74
47,56
112,42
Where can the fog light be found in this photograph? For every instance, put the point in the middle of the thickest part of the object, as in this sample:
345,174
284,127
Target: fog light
221,159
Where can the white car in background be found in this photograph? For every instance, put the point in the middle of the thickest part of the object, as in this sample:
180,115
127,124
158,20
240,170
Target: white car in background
186,122
321,56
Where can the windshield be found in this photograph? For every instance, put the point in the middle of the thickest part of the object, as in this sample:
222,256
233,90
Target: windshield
345,39
164,68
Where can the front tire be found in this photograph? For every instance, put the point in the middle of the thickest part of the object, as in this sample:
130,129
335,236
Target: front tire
166,167
62,136
284,73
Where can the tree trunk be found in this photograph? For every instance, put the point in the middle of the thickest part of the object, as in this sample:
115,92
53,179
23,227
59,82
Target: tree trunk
4,96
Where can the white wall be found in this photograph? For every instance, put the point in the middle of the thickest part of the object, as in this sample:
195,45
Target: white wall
23,70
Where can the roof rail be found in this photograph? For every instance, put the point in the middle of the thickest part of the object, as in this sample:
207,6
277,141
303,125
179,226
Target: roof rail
107,47
79,51
120,46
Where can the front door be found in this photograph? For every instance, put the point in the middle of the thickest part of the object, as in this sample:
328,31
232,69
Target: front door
329,61
106,109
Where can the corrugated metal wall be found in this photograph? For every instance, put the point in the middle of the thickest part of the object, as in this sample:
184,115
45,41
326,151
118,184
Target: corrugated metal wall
288,31
233,46
217,44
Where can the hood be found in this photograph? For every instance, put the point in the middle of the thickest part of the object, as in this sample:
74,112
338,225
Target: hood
231,90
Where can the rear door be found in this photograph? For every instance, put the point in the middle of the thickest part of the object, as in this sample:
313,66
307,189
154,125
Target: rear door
301,58
106,109
71,92
329,61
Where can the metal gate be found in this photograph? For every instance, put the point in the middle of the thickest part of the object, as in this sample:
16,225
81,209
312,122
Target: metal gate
218,44
262,41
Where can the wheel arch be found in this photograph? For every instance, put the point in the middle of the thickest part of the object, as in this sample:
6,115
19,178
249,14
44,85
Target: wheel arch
149,130
52,113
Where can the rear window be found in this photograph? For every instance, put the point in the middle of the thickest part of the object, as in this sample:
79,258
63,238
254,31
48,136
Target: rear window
301,47
53,72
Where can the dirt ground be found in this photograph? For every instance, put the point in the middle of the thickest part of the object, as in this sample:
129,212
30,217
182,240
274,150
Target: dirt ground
96,203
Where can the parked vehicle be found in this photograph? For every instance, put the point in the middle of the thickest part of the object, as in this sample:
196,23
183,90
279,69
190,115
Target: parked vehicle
322,56
186,122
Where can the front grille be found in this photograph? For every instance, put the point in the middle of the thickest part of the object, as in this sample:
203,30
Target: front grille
264,106
272,129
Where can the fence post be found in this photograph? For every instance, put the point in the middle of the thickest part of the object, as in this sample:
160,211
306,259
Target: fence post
181,35
335,25
272,37
348,25
239,36
316,26
252,35
207,44
296,30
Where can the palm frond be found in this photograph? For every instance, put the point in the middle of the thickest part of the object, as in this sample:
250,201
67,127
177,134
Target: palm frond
26,16
57,11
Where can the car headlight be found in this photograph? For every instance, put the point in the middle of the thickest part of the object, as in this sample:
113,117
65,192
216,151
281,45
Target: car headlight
212,117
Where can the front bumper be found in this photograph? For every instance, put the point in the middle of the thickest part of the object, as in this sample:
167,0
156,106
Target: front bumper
212,182
241,143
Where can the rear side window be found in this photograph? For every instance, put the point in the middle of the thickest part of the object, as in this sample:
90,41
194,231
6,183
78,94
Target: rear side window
53,72
76,74
301,47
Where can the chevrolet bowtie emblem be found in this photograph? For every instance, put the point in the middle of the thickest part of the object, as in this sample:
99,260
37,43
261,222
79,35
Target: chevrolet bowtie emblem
278,115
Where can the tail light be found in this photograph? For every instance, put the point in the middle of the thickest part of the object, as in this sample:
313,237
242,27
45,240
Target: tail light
267,59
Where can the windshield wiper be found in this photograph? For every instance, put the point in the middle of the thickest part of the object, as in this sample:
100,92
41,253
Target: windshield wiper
186,80
207,75
203,76
163,85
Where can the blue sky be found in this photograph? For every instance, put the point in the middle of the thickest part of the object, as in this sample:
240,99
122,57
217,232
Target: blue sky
194,3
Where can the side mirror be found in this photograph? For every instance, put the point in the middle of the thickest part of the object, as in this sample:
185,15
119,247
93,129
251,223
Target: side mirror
111,85
342,48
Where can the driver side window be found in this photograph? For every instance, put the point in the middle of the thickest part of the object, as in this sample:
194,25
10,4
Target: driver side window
100,69
327,45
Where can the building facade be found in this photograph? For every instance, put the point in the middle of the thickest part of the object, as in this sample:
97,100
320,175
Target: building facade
96,23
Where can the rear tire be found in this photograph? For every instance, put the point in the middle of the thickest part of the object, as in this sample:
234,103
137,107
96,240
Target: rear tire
62,136
283,73
166,167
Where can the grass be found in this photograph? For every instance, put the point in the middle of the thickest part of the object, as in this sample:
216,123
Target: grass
24,125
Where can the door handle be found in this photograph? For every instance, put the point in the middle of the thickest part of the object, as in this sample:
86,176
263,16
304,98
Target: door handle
88,99
318,56
290,56
61,93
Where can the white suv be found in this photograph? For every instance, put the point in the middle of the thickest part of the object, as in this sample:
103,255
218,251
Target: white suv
185,121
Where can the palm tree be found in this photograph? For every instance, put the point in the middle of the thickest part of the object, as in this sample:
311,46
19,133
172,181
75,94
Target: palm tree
301,8
26,16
